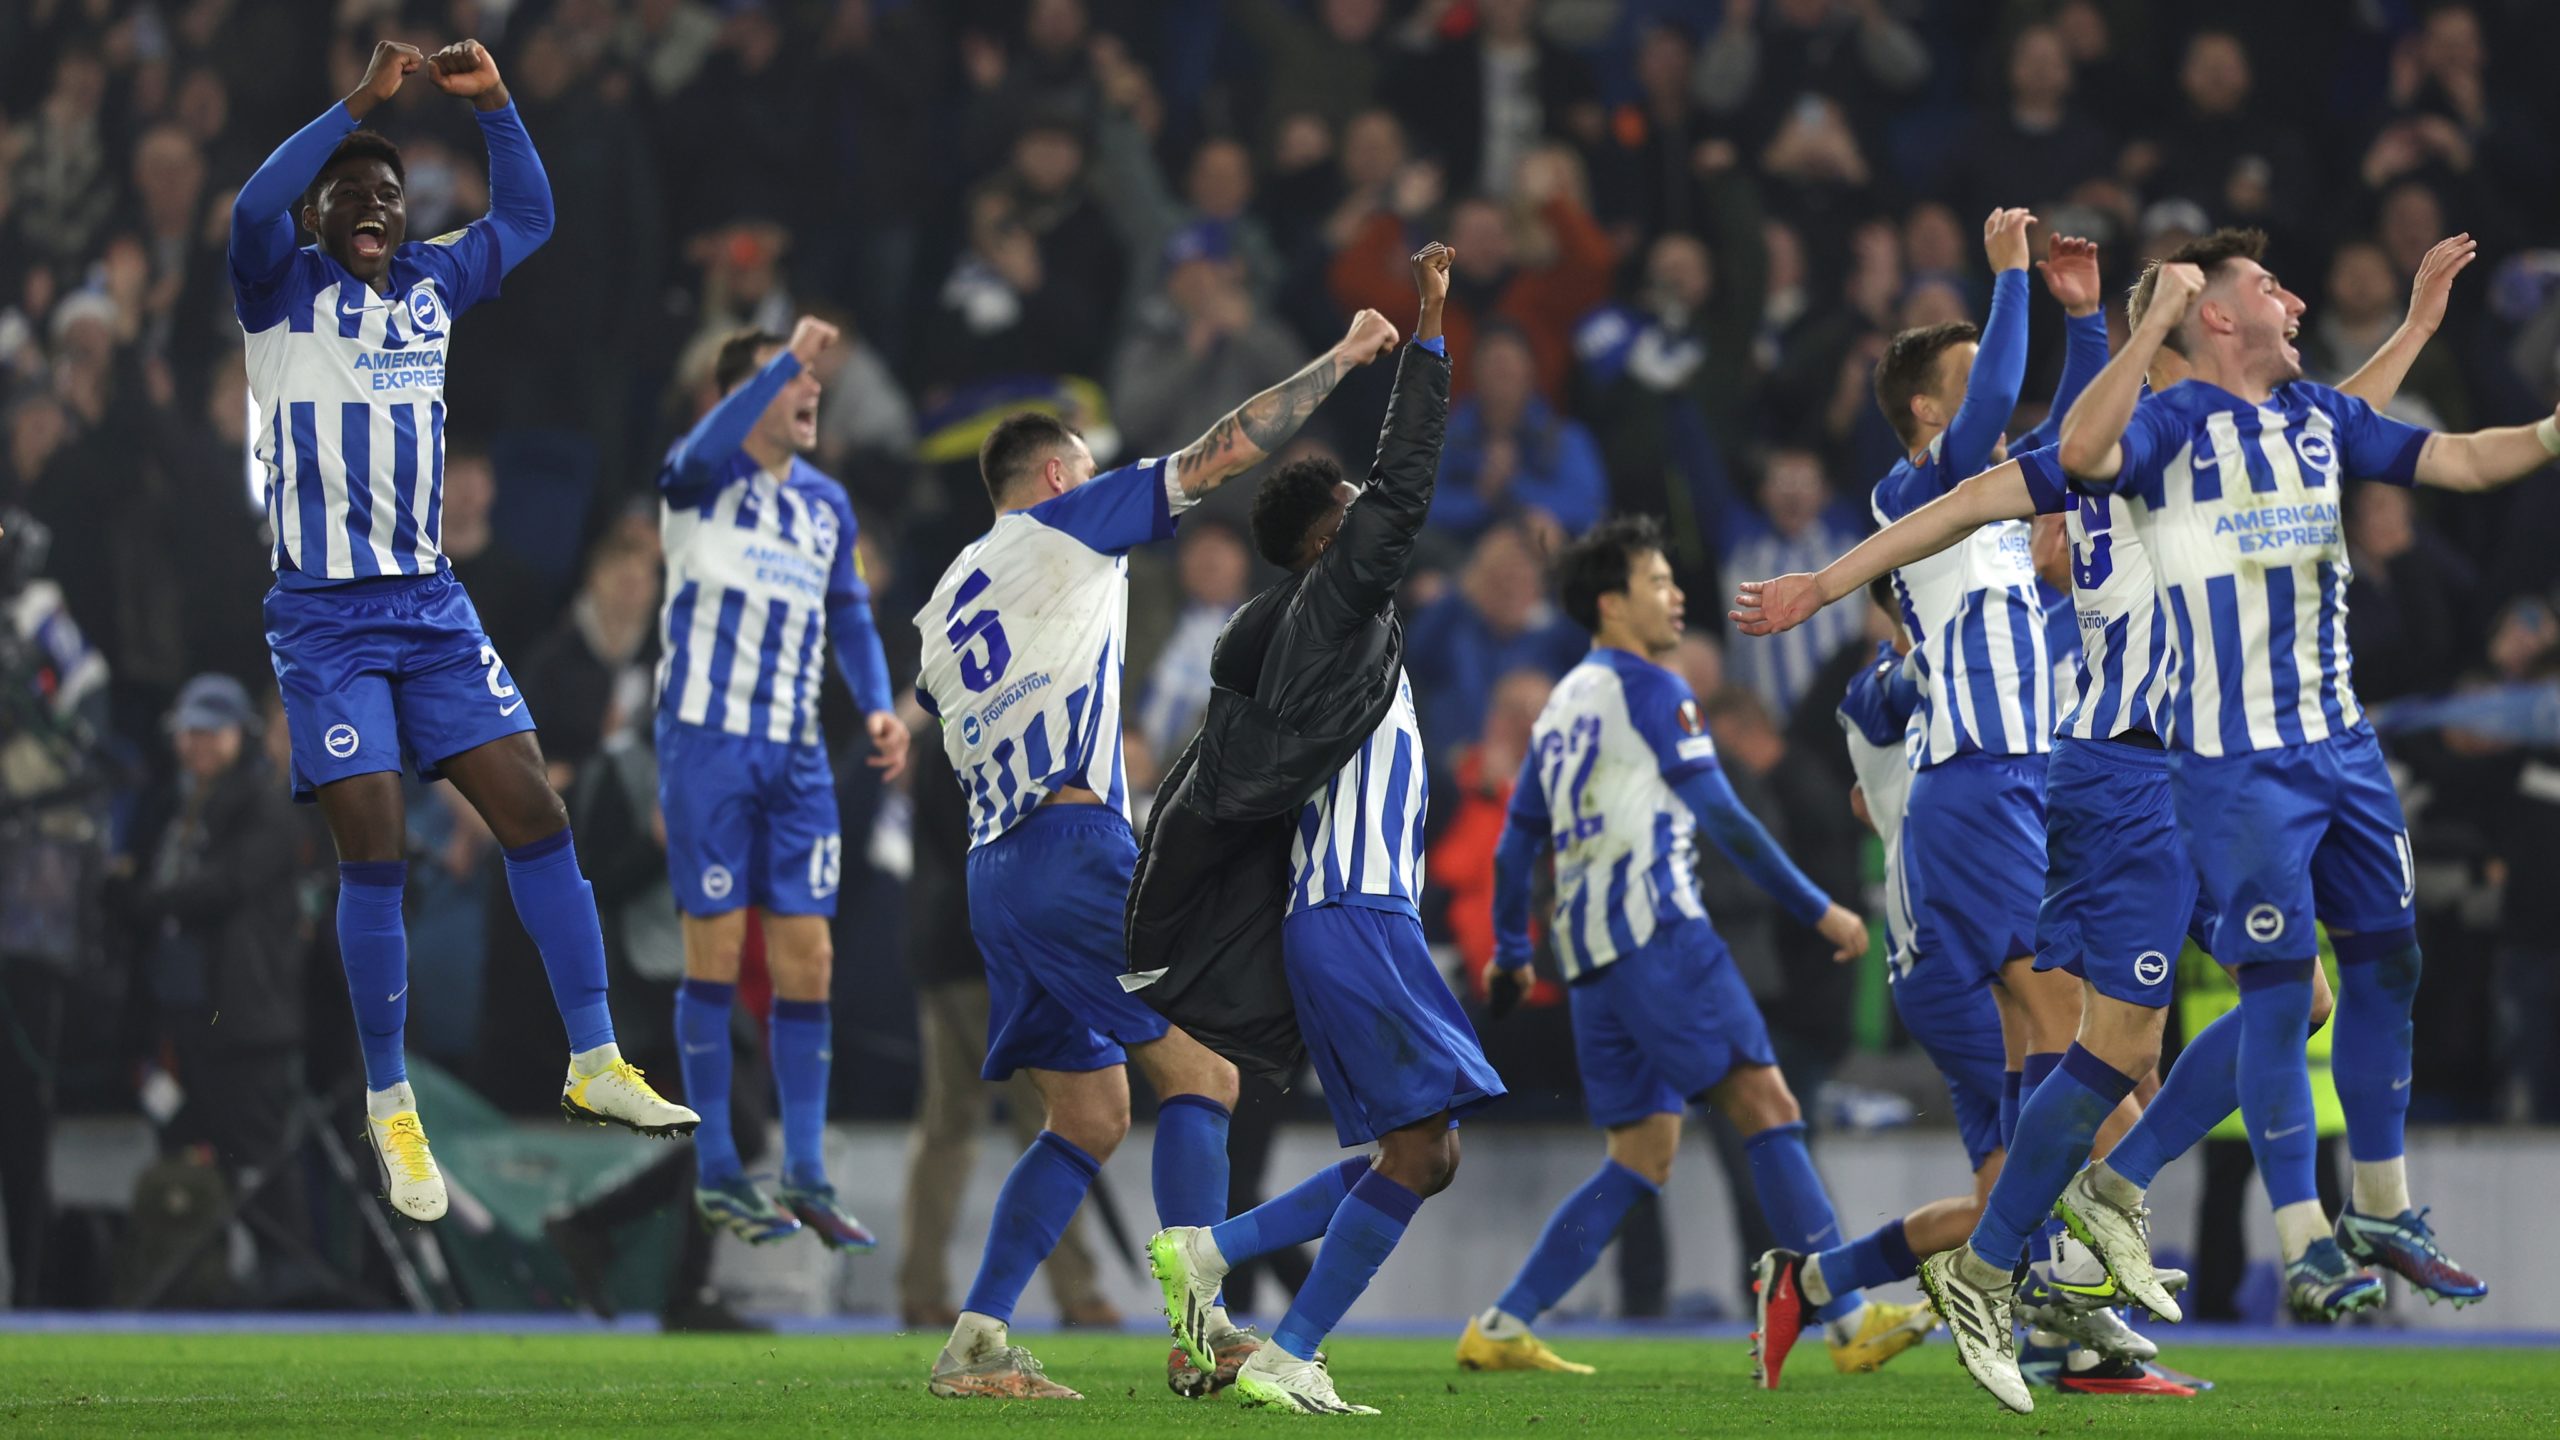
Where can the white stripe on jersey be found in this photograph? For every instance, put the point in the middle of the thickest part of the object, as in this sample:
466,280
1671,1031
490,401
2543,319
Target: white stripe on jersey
764,548
1978,648
1626,857
2123,675
1362,833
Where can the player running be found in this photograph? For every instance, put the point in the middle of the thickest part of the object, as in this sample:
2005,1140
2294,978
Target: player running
1619,779
2120,882
1023,645
1399,1062
378,653
760,570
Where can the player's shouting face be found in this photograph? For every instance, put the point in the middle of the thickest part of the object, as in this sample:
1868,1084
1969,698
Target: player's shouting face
2264,315
360,214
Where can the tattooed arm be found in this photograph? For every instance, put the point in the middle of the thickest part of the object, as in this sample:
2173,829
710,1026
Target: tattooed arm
1261,425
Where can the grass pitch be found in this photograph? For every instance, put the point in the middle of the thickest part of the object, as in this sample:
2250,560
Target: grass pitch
636,1385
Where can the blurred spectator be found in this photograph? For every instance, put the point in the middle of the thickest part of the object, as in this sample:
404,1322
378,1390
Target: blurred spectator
1198,348
2215,148
865,416
1484,102
2039,147
1461,857
587,669
2410,590
208,524
1796,527
65,186
738,136
508,593
1131,190
1320,59
1047,76
1850,53
667,42
2524,836
214,900
2364,306
1215,566
1644,174
1496,620
1538,265
1036,289
2442,72
1510,455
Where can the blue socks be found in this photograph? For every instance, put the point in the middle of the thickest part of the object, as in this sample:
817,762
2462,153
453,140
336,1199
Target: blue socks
799,1038
702,1046
2275,1076
2377,983
1032,1211
1791,1195
2198,1093
1191,1161
1293,1218
1364,1231
2056,1127
558,908
1575,1235
374,945
1879,1257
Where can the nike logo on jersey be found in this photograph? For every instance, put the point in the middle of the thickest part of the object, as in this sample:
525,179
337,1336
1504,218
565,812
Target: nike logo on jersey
2400,1084
2289,1130
396,994
701,1049
510,708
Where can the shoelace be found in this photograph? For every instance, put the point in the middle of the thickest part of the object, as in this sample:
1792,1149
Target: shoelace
1025,1361
407,1142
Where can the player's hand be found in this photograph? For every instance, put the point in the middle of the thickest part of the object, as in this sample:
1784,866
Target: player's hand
888,739
1770,607
811,338
1505,987
467,70
2434,285
392,63
1845,930
2070,270
1431,273
2004,238
2172,295
1370,336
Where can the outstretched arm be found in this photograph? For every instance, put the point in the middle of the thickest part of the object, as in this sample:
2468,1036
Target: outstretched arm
2093,432
1264,423
1366,561
2483,459
2005,492
519,192
2378,380
262,223
1747,843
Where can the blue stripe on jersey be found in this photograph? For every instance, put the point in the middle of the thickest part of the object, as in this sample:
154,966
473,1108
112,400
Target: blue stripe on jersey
2110,691
1035,745
2222,609
724,658
1660,882
355,446
2280,635
404,484
277,484
2333,652
1622,936
1577,915
2182,704
435,495
308,496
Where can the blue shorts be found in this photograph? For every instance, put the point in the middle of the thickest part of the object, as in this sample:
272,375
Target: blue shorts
2120,895
1973,859
750,821
1390,1044
2280,836
1046,902
1657,1027
386,675
1952,1016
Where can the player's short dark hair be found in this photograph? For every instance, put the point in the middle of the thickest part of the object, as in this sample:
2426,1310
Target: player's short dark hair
1601,562
1018,442
359,145
737,359
1910,363
2208,253
1292,498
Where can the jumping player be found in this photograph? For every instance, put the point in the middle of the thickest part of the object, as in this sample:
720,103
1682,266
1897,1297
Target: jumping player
379,655
1023,645
760,570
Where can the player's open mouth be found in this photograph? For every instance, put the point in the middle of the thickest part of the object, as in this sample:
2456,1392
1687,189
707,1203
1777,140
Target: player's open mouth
368,238
808,416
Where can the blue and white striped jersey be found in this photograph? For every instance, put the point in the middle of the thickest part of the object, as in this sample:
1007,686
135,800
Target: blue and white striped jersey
2238,506
1616,738
348,383
1875,715
1024,640
1977,635
2121,677
1359,841
759,565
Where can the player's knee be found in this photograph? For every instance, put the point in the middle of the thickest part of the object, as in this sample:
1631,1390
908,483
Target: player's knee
1097,1129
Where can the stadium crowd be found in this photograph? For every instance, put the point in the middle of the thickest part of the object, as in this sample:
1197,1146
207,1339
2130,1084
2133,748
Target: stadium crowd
1684,231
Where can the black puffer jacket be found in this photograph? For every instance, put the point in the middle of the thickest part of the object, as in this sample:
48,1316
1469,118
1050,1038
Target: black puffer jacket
1302,675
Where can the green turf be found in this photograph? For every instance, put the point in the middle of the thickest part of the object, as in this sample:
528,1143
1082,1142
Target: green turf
393,1385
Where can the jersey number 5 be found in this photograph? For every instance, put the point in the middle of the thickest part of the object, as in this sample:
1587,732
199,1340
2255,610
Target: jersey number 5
979,669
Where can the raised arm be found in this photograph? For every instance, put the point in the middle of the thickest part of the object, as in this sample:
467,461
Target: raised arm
2000,359
1366,561
2377,382
697,459
1768,607
519,192
2070,270
1261,425
262,222
2093,431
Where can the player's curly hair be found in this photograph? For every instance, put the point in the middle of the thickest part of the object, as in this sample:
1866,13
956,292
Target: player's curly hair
359,145
1600,562
1292,499
1910,362
2208,253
